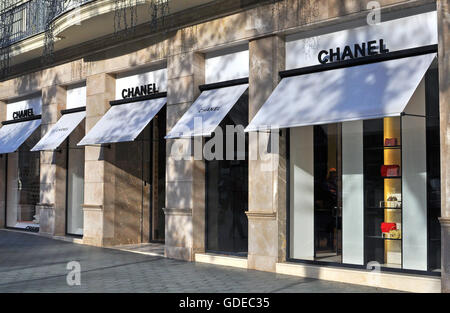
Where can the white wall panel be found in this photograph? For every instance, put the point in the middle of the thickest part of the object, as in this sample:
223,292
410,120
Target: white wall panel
225,67
352,193
414,226
76,96
139,78
302,193
34,103
404,33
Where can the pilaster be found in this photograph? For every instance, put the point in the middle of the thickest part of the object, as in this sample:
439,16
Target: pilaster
185,177
444,98
2,172
99,191
267,168
51,206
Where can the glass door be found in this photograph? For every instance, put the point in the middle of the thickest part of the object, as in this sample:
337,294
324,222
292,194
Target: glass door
158,177
327,193
227,188
23,186
75,182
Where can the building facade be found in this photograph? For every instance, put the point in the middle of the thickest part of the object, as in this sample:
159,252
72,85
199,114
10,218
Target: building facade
334,127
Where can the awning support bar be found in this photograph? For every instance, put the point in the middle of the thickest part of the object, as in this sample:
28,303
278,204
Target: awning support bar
416,115
25,119
138,99
228,83
74,110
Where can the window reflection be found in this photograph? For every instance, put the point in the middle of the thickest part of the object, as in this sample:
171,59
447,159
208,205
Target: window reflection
227,192
23,185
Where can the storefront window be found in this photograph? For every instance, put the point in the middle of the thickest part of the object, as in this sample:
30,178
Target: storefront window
227,191
327,193
139,187
23,185
383,191
433,169
369,191
75,182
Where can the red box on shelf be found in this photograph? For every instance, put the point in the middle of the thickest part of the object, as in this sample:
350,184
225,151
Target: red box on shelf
390,170
390,142
387,227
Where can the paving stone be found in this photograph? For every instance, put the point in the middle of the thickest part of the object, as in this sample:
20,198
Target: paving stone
30,263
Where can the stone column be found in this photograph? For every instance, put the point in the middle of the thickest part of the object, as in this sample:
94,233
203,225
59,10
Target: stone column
99,191
267,168
444,96
51,207
2,172
185,178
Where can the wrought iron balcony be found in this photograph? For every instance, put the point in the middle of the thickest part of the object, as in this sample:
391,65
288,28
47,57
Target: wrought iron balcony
20,21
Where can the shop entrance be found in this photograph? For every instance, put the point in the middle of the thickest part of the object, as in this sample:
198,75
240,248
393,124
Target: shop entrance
139,185
22,186
227,189
157,190
327,193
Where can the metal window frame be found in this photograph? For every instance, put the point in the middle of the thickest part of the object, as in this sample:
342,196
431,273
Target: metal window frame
6,189
63,112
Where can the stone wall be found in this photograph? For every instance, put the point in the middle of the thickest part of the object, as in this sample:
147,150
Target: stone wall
266,187
2,172
52,203
444,98
99,178
268,19
185,176
109,218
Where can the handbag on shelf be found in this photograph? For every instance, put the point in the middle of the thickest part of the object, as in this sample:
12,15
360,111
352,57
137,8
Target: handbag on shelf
390,170
395,234
390,142
387,227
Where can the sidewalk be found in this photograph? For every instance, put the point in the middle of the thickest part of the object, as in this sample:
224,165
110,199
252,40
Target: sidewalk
30,263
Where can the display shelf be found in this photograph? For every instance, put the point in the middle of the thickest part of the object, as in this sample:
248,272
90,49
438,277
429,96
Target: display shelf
379,189
384,147
375,178
383,238
383,208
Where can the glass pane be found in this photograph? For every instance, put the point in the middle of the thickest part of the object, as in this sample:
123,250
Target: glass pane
23,185
433,169
327,193
352,193
301,193
75,182
383,191
227,193
159,176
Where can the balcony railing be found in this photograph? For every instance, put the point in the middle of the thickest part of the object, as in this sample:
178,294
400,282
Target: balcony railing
30,18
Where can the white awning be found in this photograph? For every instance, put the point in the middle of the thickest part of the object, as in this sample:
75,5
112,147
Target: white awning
207,112
60,131
354,93
123,122
12,136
